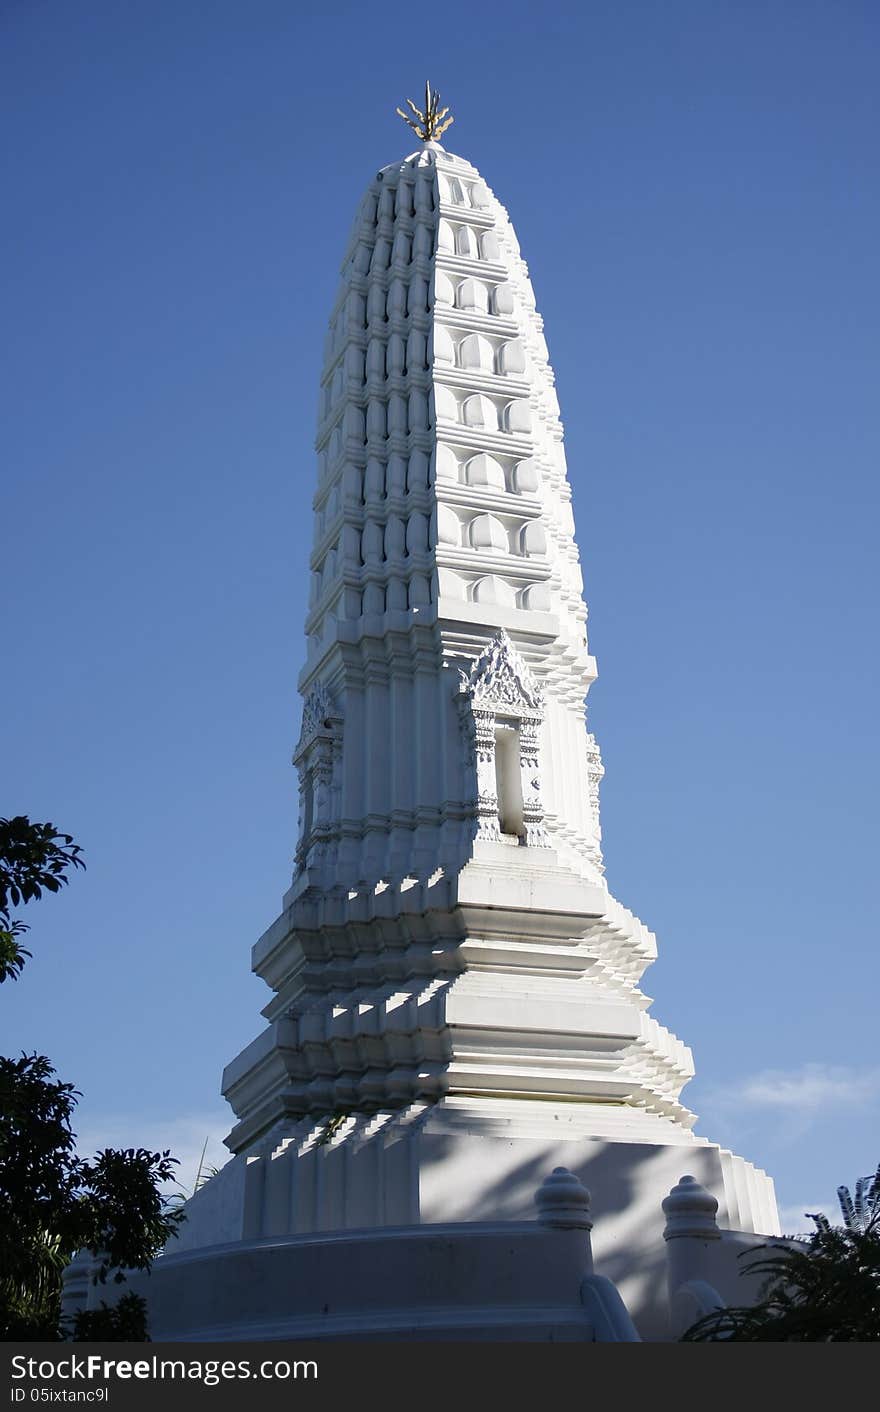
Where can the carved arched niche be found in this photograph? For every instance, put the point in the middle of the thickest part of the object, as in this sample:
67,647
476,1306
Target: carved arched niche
502,711
317,758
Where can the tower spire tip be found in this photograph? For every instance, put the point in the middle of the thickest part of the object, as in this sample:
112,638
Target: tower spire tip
428,125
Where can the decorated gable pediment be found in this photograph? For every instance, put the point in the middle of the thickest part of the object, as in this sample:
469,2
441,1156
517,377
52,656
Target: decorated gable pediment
318,717
501,680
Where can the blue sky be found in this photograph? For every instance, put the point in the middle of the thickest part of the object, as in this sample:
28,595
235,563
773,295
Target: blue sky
694,187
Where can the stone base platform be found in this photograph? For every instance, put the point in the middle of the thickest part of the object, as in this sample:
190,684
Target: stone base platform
508,1281
317,1190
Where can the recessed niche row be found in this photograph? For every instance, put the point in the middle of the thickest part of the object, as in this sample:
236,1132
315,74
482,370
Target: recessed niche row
403,414
388,542
407,298
458,191
489,472
404,192
397,539
494,589
476,296
492,534
386,355
414,356
379,305
484,413
375,557
400,475
375,254
477,353
403,198
399,595
394,253
418,591
400,415
468,242
380,476
399,357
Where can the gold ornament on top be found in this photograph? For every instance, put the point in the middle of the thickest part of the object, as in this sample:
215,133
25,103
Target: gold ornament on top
427,125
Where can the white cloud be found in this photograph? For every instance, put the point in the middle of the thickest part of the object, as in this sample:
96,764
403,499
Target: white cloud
186,1136
807,1090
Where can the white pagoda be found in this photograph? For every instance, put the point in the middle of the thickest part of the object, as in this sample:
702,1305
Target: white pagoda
455,1001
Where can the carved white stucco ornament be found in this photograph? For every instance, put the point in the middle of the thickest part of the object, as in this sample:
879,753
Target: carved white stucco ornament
317,716
316,758
500,678
501,691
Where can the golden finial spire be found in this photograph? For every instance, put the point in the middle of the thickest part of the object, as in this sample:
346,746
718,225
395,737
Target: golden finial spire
427,125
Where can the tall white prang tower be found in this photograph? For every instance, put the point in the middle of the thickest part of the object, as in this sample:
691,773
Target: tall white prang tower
455,995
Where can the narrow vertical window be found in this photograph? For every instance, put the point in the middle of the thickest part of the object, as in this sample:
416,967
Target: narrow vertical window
508,786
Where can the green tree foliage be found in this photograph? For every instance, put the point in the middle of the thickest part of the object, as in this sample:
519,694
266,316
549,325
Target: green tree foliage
116,1323
34,858
60,1203
54,1202
823,1289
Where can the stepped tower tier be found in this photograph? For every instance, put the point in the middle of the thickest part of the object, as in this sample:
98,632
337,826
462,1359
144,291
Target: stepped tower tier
456,999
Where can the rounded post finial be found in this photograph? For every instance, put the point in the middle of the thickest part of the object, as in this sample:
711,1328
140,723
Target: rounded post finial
563,1201
690,1210
429,125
